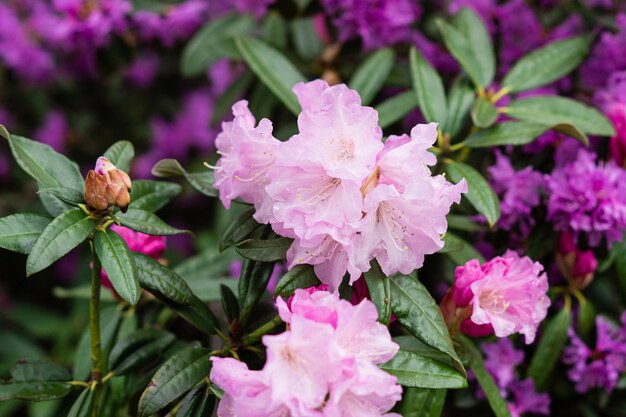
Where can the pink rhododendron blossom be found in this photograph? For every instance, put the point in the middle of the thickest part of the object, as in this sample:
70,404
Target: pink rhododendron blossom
503,296
330,352
247,153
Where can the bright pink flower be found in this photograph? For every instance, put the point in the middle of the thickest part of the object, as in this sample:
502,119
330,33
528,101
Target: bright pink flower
311,303
247,153
508,294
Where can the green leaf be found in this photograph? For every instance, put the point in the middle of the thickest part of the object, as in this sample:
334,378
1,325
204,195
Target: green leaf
475,33
121,154
484,113
196,313
305,39
274,29
548,352
420,366
586,317
553,110
480,194
118,263
252,285
230,304
459,103
269,250
149,223
67,195
276,72
572,131
239,230
200,181
152,195
213,42
34,391
546,64
380,293
395,108
428,88
465,223
161,280
83,406
58,238
420,402
177,376
19,232
369,78
462,252
300,276
200,401
32,371
506,133
451,244
473,358
138,349
46,166
470,56
54,206
416,310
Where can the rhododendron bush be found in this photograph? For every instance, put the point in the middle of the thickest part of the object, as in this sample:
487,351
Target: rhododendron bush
290,208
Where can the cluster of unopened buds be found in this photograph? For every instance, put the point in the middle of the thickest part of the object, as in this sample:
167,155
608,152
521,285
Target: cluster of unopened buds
107,186
341,194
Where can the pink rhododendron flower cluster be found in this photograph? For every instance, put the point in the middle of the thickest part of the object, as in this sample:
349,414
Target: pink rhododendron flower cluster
324,365
335,188
505,295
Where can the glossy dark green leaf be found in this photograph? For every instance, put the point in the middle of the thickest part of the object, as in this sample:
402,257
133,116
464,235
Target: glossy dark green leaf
19,232
200,181
213,42
160,279
206,271
420,366
118,263
506,133
395,108
240,230
67,195
54,206
554,110
305,39
484,113
428,88
34,391
300,276
480,194
460,102
31,371
59,237
200,401
252,285
369,78
149,223
121,154
274,29
473,358
138,349
83,406
475,33
269,250
197,313
276,72
416,310
546,64
421,402
152,195
460,251
174,378
548,352
230,304
380,293
46,166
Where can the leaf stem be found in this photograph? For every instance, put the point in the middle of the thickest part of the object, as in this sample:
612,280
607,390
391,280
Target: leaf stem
94,328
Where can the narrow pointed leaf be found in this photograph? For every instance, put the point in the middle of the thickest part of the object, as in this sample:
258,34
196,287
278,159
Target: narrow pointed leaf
19,232
230,304
484,113
459,104
31,371
276,72
428,88
152,195
149,223
480,194
200,401
462,252
138,349
67,195
421,402
121,154
34,391
395,108
62,235
269,250
300,276
240,230
380,293
159,279
369,78
118,263
200,181
506,133
83,406
474,31
252,285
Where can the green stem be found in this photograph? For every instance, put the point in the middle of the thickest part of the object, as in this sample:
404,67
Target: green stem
94,329
256,335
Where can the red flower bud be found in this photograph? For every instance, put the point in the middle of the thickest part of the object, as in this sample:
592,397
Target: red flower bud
107,186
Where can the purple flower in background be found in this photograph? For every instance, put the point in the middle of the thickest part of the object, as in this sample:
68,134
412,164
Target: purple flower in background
599,367
436,54
256,7
501,360
234,270
520,32
53,131
518,192
486,9
606,57
588,198
376,22
527,400
612,101
143,70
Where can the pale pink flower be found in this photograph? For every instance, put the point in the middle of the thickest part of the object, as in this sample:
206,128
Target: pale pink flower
247,153
311,303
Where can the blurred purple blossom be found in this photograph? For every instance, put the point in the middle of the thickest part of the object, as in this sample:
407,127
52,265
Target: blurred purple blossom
527,400
501,360
143,70
53,131
612,101
606,57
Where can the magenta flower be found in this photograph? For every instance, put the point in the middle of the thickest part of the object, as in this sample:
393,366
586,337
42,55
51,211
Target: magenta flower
330,353
575,264
53,131
602,366
588,198
501,361
143,70
606,56
612,100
